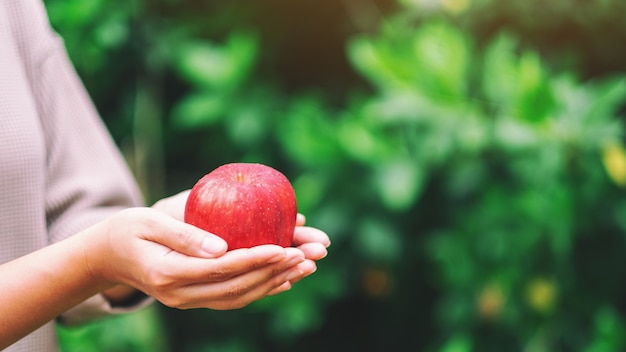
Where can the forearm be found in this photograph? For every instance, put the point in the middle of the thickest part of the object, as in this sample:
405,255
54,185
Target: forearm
40,286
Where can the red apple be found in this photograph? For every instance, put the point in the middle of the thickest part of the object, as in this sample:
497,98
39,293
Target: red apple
246,204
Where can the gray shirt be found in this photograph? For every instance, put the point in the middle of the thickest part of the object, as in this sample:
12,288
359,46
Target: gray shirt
59,169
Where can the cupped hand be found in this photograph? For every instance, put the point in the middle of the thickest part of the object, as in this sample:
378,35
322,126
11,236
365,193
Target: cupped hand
312,242
185,267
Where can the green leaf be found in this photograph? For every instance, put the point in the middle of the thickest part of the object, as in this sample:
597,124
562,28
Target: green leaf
378,241
310,189
223,67
359,141
500,71
307,134
75,13
204,64
112,33
457,343
610,95
246,126
441,53
368,58
399,183
535,97
609,332
199,109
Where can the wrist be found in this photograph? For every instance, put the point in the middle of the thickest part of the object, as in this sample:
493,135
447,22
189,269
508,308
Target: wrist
97,258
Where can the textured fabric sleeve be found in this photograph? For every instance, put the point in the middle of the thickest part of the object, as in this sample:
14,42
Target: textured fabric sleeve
86,177
96,307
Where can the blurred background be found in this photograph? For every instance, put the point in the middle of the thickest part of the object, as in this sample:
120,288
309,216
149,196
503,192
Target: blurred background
466,157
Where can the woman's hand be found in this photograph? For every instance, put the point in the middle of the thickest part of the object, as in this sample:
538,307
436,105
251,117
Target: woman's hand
173,206
185,267
176,263
310,245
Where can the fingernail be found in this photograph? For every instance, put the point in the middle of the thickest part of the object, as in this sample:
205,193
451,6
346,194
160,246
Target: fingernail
212,245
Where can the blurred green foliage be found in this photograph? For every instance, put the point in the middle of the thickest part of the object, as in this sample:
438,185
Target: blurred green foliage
466,157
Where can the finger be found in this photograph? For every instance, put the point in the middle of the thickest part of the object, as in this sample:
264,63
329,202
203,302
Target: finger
275,285
300,220
184,238
245,260
232,264
285,286
313,250
243,289
306,234
303,270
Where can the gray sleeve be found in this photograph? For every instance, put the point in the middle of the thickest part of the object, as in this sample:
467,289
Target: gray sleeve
87,178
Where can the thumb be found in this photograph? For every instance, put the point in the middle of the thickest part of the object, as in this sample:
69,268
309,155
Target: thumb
189,240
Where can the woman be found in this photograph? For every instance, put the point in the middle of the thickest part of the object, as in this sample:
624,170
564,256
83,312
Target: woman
74,242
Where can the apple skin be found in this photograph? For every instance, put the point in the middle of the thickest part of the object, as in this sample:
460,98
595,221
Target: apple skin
246,204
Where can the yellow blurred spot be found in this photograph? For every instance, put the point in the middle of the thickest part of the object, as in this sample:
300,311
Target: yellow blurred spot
491,301
541,295
614,158
455,6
